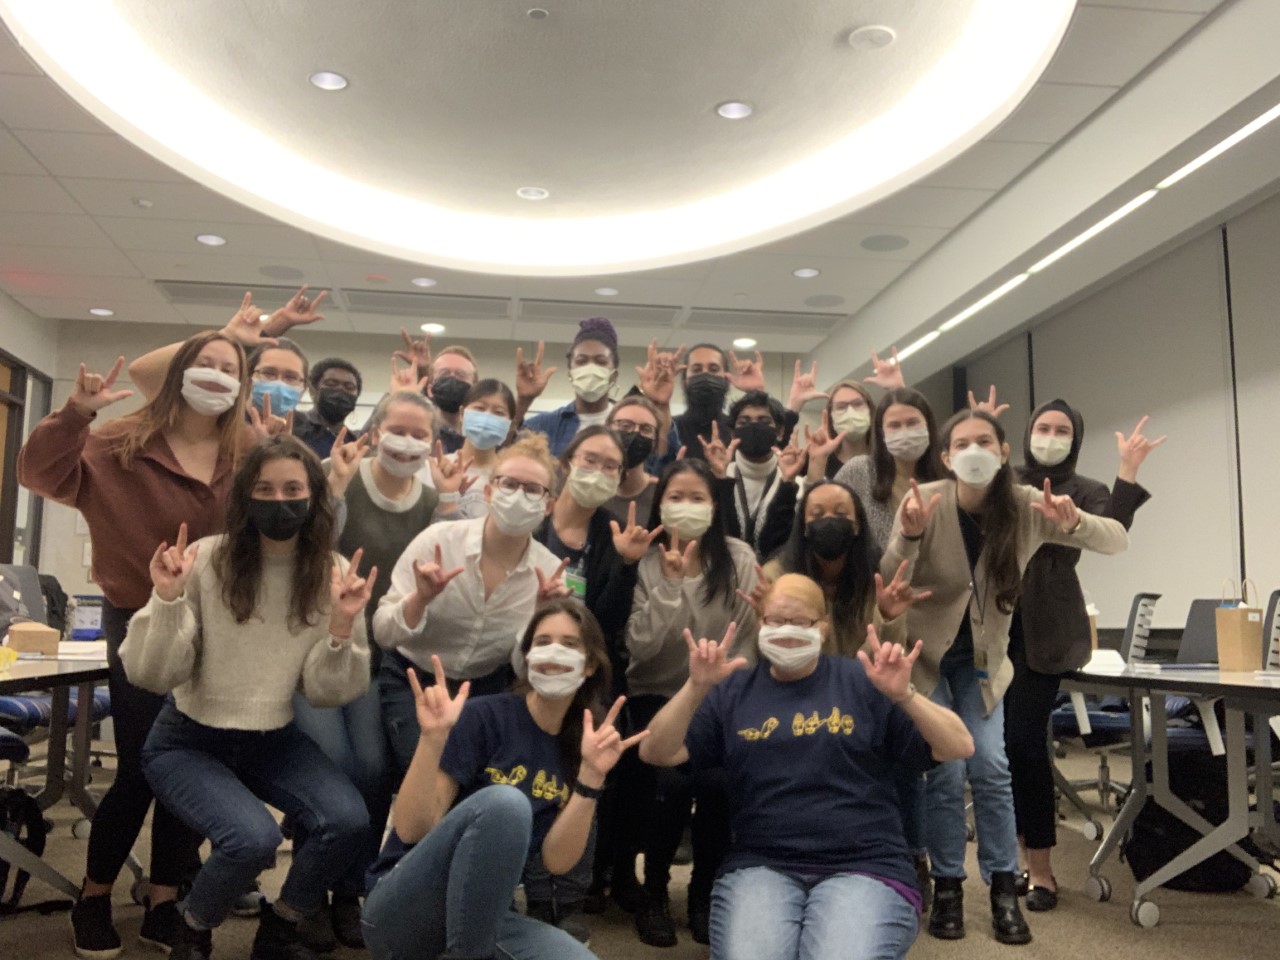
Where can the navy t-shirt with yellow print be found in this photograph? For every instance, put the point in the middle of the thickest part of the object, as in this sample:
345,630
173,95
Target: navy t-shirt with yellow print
496,741
810,765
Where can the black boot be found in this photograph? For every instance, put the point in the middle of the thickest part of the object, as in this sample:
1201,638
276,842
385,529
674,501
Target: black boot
1010,926
277,939
946,919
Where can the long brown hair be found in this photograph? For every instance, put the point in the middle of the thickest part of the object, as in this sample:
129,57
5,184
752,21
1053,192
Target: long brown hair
238,559
594,692
1000,519
163,411
928,467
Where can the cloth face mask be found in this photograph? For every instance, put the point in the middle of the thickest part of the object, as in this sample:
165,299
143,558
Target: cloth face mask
201,399
789,657
556,686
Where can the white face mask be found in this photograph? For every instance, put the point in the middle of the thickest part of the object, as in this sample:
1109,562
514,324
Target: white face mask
392,443
975,465
1050,451
555,686
514,513
690,520
852,420
909,443
591,382
201,399
788,658
591,488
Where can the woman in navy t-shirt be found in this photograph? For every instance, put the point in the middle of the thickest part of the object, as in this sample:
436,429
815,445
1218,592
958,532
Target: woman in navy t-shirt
818,862
490,782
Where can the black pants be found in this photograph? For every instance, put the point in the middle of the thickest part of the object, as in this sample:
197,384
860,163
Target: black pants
655,807
175,849
1028,704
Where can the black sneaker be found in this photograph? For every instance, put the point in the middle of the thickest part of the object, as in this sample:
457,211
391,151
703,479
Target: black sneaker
316,931
700,920
346,921
654,925
278,939
627,893
160,925
189,944
95,937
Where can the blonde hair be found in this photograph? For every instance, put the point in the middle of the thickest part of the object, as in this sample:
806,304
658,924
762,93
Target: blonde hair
798,587
458,351
531,446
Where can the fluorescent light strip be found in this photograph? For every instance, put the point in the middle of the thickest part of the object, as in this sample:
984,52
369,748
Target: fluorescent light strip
919,345
1245,131
1093,231
989,299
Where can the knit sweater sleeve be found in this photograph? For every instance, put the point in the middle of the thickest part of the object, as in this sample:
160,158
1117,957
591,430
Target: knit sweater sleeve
51,462
658,606
163,642
337,671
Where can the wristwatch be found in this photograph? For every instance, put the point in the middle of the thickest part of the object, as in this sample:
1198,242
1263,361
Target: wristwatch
591,793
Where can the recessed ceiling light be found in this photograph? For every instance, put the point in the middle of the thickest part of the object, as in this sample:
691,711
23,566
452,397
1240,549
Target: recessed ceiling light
606,291
210,239
735,110
102,312
806,273
423,282
432,328
142,202
538,13
328,80
871,38
744,343
533,193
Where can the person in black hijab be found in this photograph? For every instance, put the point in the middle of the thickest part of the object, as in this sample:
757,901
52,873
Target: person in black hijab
1049,633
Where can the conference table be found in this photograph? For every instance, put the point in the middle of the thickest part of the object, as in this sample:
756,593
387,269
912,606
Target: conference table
58,676
1252,694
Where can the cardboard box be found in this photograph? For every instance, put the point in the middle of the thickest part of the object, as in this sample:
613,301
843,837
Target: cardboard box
34,638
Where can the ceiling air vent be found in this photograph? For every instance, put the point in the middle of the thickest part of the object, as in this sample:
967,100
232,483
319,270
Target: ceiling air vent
394,303
622,314
229,295
753,321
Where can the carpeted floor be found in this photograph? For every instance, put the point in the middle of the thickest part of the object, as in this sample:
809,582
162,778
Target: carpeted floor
1204,927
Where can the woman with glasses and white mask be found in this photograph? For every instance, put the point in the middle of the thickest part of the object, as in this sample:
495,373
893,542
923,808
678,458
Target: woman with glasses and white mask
464,591
636,422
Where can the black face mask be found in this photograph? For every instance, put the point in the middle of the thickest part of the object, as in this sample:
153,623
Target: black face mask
635,448
705,392
756,440
449,392
278,519
335,405
830,537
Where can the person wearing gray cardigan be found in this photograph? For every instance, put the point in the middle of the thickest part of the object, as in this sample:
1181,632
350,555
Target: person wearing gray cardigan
968,541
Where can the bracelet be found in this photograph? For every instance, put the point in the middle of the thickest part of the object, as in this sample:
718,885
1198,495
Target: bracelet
591,793
1079,523
453,497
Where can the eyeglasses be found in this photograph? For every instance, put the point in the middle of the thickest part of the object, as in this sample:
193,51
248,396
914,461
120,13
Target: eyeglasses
589,461
842,406
346,386
271,373
803,623
630,426
534,491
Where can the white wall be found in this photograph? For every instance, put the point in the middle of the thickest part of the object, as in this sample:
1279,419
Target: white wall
1005,367
27,337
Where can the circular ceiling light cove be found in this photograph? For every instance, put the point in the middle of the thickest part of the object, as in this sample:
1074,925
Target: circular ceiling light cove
102,312
533,193
872,37
211,239
735,109
328,81
423,282
979,75
432,328
806,273
744,343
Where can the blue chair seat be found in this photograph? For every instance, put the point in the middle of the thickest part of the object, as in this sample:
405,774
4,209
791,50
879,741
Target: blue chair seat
12,747
24,713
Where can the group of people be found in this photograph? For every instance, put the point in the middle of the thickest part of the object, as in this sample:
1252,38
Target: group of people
463,615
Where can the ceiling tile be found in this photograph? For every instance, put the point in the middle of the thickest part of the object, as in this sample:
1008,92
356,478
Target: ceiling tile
472,329
924,207
217,268
178,237
103,291
1175,6
1051,111
51,230
169,201
37,103
987,165
101,155
72,308
12,59
66,261
844,239
30,194
631,288
15,158
1110,46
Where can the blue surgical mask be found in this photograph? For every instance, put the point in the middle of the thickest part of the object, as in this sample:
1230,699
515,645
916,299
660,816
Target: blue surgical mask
484,430
283,397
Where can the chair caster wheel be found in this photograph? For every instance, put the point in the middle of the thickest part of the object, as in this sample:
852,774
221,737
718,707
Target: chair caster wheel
1099,888
81,828
1092,830
1262,886
1144,913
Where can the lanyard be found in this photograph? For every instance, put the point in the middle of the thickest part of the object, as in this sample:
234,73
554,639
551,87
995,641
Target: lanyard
749,517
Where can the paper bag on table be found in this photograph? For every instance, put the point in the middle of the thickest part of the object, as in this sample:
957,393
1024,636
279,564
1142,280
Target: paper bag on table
1239,626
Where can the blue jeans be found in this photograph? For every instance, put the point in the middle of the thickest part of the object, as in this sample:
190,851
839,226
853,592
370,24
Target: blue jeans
988,774
759,913
352,737
216,781
452,893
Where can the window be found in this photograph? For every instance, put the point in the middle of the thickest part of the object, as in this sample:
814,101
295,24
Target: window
24,399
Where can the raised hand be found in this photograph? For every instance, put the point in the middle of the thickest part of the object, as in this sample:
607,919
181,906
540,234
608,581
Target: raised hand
822,443
348,595
265,424
93,391
888,372
676,563
552,587
171,567
437,711
1134,449
416,353
889,667
916,514
430,579
897,598
406,379
247,326
300,311
450,473
633,542
718,456
755,599
344,461
790,460
1061,510
602,746
657,378
709,661
531,379
804,388
988,405
746,375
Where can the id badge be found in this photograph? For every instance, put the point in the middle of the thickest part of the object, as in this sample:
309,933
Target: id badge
576,583
980,663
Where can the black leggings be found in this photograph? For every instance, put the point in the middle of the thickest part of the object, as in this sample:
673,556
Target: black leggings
175,849
1028,704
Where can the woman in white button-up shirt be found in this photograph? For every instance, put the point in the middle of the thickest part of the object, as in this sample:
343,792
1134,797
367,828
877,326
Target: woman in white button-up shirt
465,591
